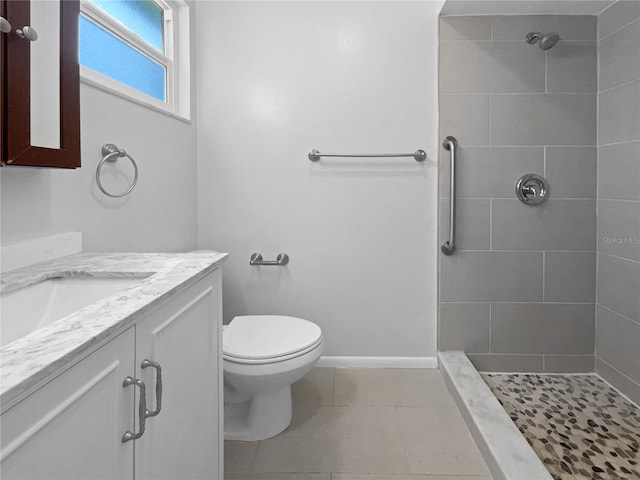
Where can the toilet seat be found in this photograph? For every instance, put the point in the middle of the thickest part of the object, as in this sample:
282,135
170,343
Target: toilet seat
262,361
259,339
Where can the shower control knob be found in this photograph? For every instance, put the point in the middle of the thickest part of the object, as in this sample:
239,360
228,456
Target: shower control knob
532,189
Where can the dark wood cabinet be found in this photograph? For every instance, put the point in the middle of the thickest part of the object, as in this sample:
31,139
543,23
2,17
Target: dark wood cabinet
15,56
2,91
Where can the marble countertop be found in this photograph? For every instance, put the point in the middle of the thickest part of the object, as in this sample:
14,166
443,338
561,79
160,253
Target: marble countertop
504,448
27,362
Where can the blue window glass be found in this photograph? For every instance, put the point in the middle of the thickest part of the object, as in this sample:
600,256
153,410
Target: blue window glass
142,17
104,53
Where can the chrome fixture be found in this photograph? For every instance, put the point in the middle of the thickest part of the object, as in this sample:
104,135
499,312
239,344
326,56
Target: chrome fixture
148,363
28,33
5,26
143,413
142,409
111,153
281,260
448,247
418,155
532,189
546,40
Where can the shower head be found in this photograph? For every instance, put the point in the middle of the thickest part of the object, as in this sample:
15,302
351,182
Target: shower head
546,40
549,40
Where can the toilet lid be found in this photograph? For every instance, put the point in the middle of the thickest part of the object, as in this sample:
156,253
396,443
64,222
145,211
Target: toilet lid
268,336
262,361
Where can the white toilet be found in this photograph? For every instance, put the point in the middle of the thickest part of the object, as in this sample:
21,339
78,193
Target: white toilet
263,355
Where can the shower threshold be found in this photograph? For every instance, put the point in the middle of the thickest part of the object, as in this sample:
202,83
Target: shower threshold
578,425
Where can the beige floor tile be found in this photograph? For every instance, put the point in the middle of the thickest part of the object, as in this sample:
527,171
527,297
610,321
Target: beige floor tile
390,387
278,476
437,442
316,388
336,439
360,476
238,456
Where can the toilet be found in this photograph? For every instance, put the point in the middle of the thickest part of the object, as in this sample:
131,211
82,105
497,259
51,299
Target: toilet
262,356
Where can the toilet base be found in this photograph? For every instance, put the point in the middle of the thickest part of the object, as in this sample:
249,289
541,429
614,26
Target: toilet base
260,417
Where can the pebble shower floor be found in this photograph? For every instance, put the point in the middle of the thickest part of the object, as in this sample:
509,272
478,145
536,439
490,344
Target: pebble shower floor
580,427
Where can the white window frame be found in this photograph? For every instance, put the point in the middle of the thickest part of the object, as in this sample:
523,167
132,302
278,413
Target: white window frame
175,59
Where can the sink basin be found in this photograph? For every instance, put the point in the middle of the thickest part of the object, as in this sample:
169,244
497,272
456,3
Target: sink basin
30,308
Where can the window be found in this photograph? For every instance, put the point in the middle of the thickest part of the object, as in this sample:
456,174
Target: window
137,49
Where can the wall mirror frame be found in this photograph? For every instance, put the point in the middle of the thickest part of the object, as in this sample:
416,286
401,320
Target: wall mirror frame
2,90
16,90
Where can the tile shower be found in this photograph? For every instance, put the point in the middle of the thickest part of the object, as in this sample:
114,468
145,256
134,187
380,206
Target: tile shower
553,288
519,293
579,426
617,339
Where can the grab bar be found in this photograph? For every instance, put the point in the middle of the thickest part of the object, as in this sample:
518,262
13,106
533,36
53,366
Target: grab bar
448,247
419,155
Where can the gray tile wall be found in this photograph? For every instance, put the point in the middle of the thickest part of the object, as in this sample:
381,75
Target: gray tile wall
617,343
519,294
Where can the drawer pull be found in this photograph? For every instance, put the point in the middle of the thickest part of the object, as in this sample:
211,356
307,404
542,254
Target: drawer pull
142,408
5,26
28,33
148,363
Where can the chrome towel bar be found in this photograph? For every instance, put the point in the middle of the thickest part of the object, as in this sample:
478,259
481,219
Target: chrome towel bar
448,247
418,155
281,260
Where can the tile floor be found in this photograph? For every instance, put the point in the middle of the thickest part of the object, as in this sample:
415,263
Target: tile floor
579,426
364,424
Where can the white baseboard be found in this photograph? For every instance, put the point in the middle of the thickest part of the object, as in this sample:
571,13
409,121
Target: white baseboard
378,362
34,250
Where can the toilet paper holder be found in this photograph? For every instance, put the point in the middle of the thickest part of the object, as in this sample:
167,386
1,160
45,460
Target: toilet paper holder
281,260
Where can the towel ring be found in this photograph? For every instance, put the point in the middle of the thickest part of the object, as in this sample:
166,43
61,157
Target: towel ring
111,153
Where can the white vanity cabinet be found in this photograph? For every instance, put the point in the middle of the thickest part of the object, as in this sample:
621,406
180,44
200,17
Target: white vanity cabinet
73,426
185,440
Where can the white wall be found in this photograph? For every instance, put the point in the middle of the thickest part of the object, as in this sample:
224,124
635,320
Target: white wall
276,79
159,215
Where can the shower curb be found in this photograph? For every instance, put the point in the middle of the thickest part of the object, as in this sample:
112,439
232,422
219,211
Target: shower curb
503,447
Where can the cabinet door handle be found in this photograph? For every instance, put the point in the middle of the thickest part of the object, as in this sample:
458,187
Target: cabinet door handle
28,33
5,26
148,363
142,408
